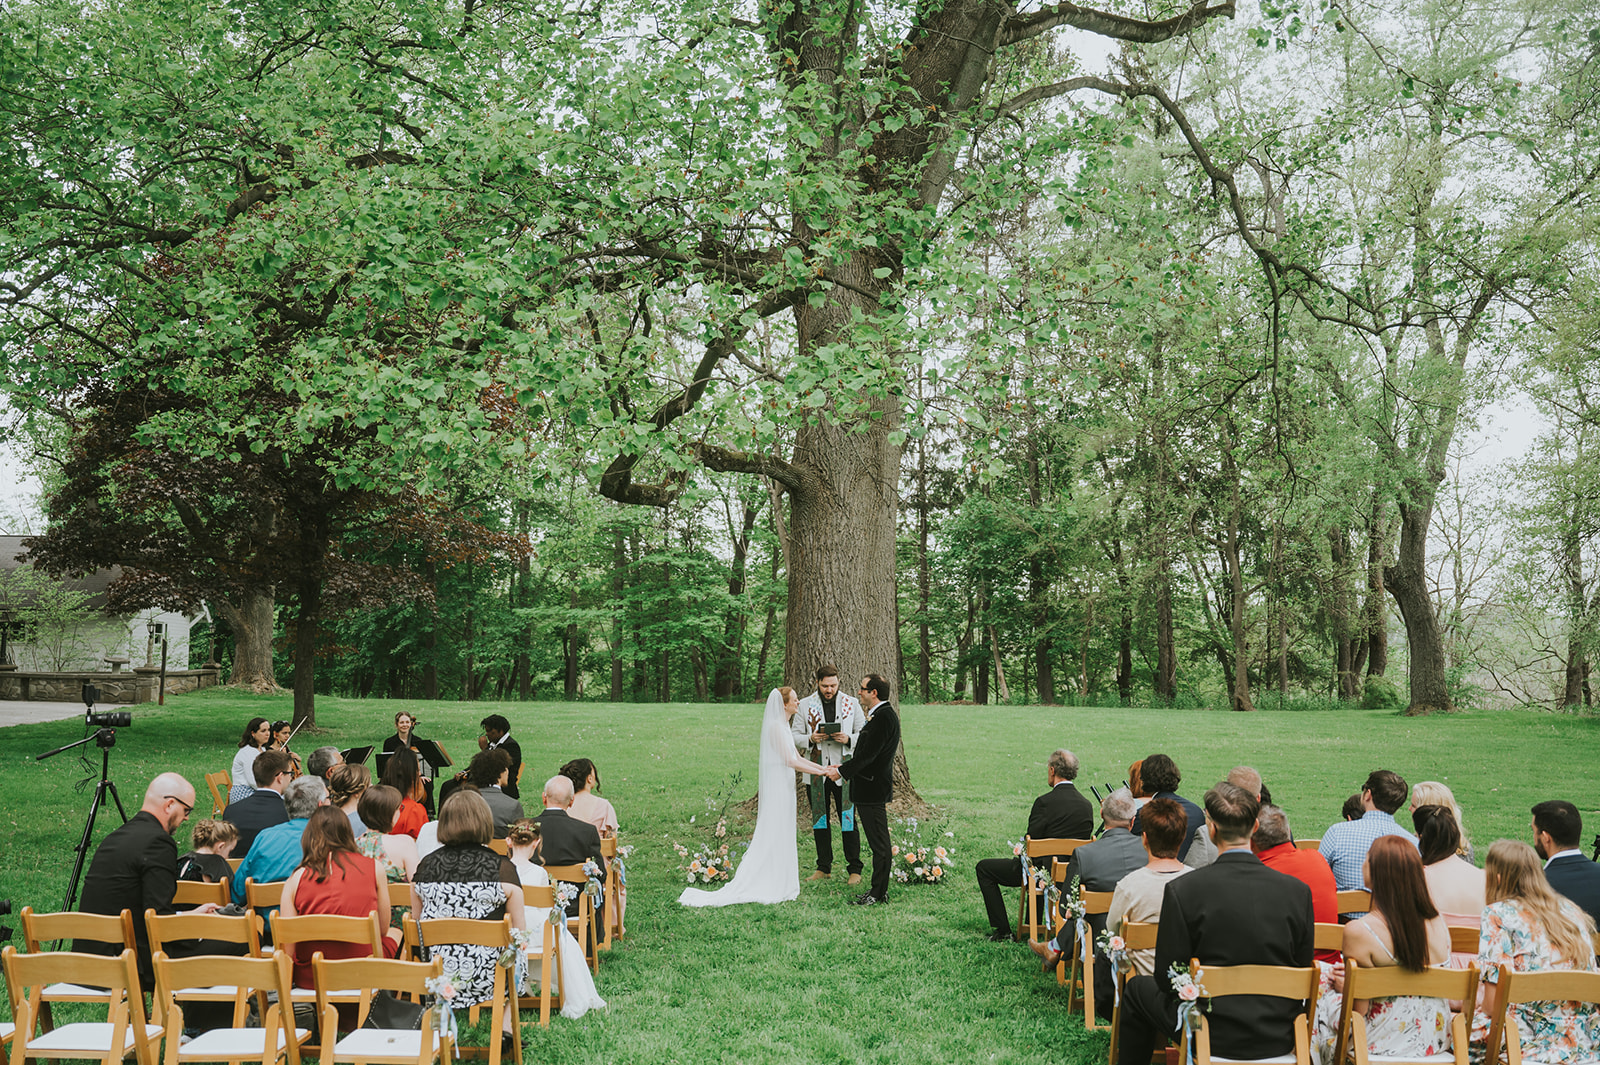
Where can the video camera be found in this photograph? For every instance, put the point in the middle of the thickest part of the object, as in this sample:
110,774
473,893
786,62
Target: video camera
104,718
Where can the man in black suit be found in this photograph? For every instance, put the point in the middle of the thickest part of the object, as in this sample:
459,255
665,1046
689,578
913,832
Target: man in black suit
870,772
136,868
262,808
563,840
1235,911
1557,829
1060,813
497,737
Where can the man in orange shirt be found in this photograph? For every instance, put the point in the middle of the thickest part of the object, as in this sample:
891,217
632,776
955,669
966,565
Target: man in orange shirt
1274,845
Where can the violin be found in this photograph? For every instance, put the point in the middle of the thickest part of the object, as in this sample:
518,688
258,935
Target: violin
295,767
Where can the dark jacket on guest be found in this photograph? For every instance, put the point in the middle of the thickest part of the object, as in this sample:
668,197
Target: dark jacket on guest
259,810
136,868
1578,879
1061,813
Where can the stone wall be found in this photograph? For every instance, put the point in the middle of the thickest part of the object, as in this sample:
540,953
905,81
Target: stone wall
137,686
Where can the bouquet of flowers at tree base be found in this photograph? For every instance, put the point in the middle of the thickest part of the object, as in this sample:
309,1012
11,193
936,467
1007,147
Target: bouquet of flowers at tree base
710,863
916,860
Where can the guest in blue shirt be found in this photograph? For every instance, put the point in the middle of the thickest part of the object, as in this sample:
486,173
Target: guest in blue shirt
276,851
1345,844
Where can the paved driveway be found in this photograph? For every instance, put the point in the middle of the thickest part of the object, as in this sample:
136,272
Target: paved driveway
22,713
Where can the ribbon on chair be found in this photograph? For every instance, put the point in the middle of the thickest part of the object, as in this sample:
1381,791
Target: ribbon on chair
443,990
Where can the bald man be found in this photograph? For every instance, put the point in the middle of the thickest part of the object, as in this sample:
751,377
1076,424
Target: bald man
564,840
136,867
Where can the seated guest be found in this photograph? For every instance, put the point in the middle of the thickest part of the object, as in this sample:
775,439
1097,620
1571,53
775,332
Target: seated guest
257,734
586,805
1060,813
403,775
1136,787
213,842
1101,865
1352,810
1403,928
276,852
1433,793
1235,911
1161,779
323,759
1531,928
464,878
1345,844
1274,845
1246,777
1557,828
346,785
334,878
1454,884
136,868
395,852
576,982
263,807
1137,896
564,840
487,772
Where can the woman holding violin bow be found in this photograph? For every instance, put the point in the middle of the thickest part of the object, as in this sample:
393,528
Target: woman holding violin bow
282,732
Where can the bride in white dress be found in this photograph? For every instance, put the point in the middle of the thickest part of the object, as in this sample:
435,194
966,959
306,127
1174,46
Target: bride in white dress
770,870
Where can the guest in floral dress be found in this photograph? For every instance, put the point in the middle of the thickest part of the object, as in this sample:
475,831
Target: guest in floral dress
1403,928
1530,929
464,878
395,852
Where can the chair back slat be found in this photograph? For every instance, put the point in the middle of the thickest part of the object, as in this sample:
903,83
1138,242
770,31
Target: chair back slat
166,928
214,970
1328,936
198,892
1279,981
1464,940
328,927
39,928
1054,848
1096,901
1139,935
1308,844
263,896
1389,980
368,975
473,932
500,847
1357,901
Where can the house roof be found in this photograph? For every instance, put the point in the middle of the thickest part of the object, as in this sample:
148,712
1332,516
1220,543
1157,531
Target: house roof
94,583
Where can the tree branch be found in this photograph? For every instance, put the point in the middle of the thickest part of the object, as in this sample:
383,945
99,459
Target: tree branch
1106,24
724,460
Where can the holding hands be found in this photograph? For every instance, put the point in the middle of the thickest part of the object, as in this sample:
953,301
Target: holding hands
832,773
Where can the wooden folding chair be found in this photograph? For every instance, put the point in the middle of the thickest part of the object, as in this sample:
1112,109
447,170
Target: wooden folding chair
1391,980
500,847
1136,935
1080,982
220,784
1514,989
244,930
1308,844
274,1038
549,995
363,977
1279,981
233,865
612,929
446,931
198,892
262,900
1464,940
1357,901
584,925
1030,925
327,927
1328,936
124,1033
41,928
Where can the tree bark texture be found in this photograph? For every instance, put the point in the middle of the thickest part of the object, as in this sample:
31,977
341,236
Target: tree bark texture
251,620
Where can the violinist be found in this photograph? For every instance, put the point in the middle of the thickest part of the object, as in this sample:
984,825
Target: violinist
281,731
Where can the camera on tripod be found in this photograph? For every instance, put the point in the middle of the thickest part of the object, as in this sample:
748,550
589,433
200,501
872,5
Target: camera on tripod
103,718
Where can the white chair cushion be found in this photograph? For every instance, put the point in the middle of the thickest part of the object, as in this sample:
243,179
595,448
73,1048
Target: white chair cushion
218,990
6,1028
91,1037
305,994
222,1043
59,990
1281,1059
366,1044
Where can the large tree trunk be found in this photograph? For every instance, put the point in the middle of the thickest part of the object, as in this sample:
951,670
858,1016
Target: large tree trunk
1577,614
251,620
1238,604
619,568
305,652
1408,583
1377,614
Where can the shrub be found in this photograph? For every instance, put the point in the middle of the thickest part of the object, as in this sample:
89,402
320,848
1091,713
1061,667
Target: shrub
1381,693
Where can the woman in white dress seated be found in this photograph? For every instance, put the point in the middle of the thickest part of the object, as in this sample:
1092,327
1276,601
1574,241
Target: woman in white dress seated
770,871
574,979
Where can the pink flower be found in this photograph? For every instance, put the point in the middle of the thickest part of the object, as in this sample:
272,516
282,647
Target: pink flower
1188,992
1117,943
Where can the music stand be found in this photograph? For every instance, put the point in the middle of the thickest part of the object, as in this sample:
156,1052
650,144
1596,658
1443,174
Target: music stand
356,755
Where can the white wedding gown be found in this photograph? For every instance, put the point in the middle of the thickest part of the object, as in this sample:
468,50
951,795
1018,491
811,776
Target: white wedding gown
576,983
770,870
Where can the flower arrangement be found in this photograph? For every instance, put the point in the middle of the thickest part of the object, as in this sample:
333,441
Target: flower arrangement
1193,998
1115,948
917,861
712,862
441,1014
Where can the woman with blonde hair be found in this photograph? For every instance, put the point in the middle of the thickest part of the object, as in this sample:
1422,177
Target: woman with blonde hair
1433,793
213,844
1530,929
346,784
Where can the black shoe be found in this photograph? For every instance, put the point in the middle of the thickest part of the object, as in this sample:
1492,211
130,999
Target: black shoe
868,899
999,937
507,1048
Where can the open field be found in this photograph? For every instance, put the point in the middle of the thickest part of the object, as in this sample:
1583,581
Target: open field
818,981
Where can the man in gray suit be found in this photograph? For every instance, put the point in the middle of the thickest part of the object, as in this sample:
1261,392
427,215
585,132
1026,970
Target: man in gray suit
1100,866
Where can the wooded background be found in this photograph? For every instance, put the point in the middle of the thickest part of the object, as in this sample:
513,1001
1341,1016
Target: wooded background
664,351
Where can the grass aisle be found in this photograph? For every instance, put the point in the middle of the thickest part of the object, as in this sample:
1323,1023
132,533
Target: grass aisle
817,980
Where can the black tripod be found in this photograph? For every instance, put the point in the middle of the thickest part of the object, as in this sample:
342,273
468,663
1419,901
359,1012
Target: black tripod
105,739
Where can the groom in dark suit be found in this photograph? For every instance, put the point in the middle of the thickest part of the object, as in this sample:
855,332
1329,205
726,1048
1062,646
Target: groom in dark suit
1234,911
871,776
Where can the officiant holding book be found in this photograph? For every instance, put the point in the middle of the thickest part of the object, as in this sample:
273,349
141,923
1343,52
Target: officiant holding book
825,730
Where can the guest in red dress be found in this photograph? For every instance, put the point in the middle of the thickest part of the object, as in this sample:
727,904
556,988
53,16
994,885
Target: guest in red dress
335,878
403,774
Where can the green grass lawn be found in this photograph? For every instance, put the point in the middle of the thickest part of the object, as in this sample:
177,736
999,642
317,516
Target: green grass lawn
816,980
